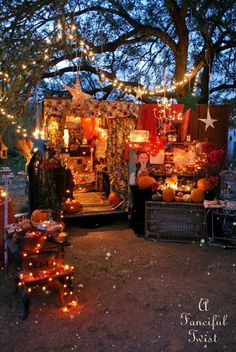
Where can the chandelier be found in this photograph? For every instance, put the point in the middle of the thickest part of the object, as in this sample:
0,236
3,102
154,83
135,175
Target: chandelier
165,113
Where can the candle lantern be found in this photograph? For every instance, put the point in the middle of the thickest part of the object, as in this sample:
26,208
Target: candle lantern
66,138
3,150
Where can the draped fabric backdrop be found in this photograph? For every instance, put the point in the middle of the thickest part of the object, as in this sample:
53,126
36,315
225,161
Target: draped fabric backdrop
148,120
118,133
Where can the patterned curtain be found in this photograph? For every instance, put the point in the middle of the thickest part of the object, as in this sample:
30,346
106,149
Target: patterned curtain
118,132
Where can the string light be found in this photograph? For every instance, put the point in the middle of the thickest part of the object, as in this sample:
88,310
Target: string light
84,47
69,33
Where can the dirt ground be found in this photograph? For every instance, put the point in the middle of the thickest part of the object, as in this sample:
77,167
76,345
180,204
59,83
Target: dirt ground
132,294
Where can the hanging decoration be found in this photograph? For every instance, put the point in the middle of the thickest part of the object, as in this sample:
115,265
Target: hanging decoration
189,101
69,33
39,144
3,150
139,93
166,117
209,122
78,97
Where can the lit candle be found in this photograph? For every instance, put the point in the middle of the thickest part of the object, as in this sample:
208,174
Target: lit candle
91,150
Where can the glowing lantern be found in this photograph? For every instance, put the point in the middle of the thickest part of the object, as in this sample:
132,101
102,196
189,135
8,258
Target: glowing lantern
66,137
3,150
139,136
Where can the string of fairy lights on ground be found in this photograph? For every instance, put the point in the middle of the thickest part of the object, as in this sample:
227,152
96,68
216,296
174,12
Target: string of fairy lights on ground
68,32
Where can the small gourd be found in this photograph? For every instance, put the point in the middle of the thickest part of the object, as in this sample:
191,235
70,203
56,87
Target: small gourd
187,198
168,194
197,195
157,196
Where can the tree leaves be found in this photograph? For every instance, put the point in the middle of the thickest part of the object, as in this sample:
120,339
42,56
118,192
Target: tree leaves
131,40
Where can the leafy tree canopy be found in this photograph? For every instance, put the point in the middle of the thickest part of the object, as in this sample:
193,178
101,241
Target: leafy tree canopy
137,46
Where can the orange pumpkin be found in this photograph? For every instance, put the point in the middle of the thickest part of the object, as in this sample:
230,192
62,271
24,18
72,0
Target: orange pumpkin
204,184
72,206
197,195
114,198
39,215
146,182
168,194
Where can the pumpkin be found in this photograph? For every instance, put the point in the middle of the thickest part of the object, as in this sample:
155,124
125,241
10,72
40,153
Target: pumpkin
168,194
204,184
179,199
197,195
187,198
72,206
157,196
114,198
146,182
39,215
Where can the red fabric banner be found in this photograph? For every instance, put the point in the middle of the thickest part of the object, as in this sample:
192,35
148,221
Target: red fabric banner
149,116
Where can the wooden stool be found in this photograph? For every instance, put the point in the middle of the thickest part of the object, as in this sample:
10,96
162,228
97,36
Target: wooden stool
42,271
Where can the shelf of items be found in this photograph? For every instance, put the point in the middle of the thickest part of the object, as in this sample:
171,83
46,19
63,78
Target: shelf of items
178,159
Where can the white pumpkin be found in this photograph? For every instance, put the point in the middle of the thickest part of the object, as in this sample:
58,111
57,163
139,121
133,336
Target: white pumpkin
187,198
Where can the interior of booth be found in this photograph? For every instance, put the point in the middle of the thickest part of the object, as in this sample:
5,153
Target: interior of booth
93,145
90,140
84,154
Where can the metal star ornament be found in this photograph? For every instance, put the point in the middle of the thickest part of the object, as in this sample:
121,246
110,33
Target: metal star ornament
139,93
39,144
190,102
208,121
78,96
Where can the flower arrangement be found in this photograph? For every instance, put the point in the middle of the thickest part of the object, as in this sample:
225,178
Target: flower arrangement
214,180
215,158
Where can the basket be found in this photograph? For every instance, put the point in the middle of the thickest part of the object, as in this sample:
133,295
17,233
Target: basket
175,222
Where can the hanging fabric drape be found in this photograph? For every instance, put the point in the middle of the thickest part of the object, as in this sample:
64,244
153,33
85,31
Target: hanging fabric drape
118,133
